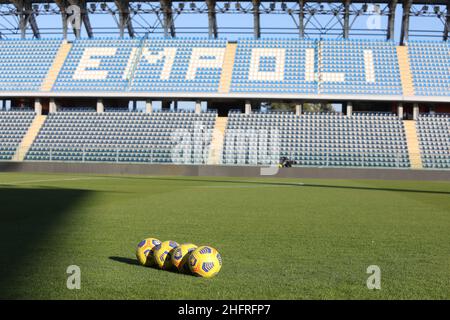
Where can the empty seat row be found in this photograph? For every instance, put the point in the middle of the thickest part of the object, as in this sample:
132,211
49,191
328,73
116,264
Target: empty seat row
316,140
434,140
13,127
161,137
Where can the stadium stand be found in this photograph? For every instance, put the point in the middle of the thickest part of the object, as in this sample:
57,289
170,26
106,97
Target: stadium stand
358,67
180,65
194,65
124,137
275,66
13,127
157,65
97,65
430,67
434,139
369,140
57,64
24,63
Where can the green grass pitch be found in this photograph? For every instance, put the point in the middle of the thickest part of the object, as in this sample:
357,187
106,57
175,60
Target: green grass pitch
279,238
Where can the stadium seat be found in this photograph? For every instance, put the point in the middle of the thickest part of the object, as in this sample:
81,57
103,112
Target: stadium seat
367,67
275,66
162,137
322,139
170,65
430,67
156,65
433,131
13,127
97,65
280,66
24,63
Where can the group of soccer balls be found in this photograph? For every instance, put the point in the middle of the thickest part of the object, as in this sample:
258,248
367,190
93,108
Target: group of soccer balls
203,261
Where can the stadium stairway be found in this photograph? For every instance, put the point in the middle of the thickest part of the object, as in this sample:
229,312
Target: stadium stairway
29,137
58,63
227,68
218,136
405,71
413,144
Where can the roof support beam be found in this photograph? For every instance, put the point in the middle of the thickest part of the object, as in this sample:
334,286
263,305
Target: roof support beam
32,20
62,7
256,19
168,24
405,21
346,31
22,18
85,18
26,15
124,18
301,17
447,23
212,20
390,34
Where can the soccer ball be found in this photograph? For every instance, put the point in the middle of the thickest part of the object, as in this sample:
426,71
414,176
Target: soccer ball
181,255
163,254
205,262
144,251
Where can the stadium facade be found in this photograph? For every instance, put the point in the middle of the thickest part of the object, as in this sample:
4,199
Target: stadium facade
68,100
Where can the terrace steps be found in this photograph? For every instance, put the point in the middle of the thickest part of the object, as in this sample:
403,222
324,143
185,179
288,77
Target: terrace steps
58,63
29,138
413,144
218,136
405,71
227,68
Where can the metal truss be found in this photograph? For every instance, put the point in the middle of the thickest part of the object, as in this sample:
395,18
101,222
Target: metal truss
310,19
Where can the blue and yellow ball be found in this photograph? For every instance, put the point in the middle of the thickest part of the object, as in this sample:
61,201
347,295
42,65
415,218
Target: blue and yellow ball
205,262
181,255
163,254
144,251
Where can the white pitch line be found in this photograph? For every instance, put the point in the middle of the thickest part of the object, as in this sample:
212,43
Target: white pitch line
268,182
47,180
231,187
250,186
261,183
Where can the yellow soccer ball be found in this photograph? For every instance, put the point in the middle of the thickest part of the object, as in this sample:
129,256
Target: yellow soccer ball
163,254
181,255
205,262
144,251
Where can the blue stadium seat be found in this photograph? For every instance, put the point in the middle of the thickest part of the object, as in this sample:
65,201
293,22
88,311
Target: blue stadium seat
430,67
367,67
97,65
24,64
274,66
181,76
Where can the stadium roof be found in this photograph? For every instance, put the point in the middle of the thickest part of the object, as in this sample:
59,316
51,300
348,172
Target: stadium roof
166,11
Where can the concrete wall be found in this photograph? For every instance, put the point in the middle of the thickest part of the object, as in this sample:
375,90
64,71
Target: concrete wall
224,171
